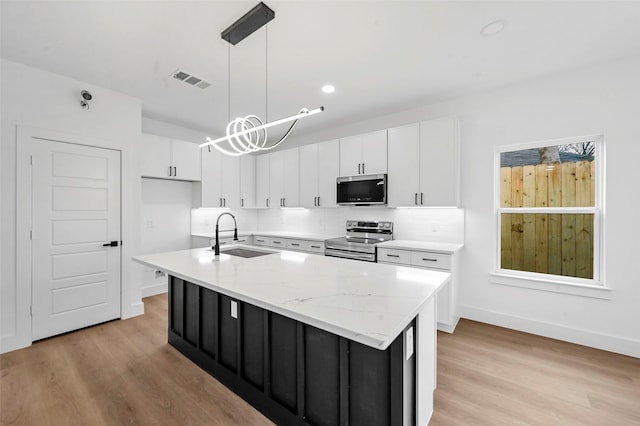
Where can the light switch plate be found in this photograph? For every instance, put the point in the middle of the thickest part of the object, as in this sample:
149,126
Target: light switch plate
409,342
234,309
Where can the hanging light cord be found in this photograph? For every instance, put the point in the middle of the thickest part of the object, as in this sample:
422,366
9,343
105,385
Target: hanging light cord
249,134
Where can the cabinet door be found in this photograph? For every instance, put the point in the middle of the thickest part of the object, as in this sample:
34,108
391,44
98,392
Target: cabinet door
404,165
155,156
309,175
210,184
328,171
351,156
230,178
374,153
439,162
262,181
291,178
185,159
276,179
247,181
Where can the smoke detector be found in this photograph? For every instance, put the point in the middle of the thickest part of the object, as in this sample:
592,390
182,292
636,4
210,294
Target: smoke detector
190,79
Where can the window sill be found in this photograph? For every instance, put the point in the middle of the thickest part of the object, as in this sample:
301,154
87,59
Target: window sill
550,285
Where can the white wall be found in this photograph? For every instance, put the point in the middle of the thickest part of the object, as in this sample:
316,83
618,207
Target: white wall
37,98
164,225
603,99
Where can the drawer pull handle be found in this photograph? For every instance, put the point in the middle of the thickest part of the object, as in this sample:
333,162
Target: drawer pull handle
392,255
294,244
429,260
277,242
260,241
315,246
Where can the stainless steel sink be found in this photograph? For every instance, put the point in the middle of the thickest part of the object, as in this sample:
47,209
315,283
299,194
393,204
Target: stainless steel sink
243,252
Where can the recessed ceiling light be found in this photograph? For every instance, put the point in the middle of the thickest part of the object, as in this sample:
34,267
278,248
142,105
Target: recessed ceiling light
328,88
493,28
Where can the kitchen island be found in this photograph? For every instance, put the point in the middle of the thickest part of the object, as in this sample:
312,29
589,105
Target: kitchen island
308,339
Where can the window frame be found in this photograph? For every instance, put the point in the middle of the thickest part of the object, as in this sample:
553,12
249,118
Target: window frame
544,281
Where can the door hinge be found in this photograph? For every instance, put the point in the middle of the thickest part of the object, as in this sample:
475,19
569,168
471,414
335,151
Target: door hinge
31,160
31,310
31,235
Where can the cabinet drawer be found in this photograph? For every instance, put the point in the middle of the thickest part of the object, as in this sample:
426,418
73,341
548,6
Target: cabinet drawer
306,245
315,246
394,256
260,241
277,242
431,260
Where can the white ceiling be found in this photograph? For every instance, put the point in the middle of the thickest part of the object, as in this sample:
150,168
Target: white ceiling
382,56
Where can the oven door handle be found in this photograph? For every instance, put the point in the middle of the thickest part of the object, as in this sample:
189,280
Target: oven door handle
350,255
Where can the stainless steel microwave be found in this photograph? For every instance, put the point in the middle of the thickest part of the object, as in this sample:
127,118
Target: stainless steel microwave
362,190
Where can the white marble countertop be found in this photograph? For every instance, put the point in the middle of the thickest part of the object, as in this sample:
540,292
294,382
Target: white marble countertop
223,234
296,235
421,246
276,234
366,302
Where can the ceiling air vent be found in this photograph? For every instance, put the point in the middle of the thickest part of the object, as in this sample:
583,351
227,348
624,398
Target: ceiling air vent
189,79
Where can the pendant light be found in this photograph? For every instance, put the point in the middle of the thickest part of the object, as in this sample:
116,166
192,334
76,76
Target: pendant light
248,134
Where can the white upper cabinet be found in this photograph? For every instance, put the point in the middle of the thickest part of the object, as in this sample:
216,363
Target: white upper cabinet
364,154
423,164
247,181
309,175
283,178
169,158
276,178
291,178
403,185
262,180
185,158
318,172
155,156
220,185
440,162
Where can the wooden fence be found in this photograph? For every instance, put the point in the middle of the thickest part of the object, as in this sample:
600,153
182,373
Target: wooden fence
559,244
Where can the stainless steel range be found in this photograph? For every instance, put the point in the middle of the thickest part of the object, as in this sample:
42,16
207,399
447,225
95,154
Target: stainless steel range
360,242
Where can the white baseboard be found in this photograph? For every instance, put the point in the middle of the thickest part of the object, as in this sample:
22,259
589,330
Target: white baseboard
607,342
152,290
448,328
12,343
133,310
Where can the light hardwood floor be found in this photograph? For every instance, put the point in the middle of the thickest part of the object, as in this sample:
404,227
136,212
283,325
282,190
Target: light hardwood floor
123,372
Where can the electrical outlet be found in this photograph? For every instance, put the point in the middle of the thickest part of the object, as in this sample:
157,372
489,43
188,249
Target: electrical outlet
409,342
234,309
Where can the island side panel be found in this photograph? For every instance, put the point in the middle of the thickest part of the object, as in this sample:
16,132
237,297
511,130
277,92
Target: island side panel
426,361
293,373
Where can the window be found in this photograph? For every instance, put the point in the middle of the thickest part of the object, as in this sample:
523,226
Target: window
549,207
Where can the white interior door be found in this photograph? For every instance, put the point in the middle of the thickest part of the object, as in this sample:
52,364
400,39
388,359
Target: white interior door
75,211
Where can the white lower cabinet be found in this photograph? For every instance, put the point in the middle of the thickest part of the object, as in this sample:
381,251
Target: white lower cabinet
310,246
447,296
200,242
